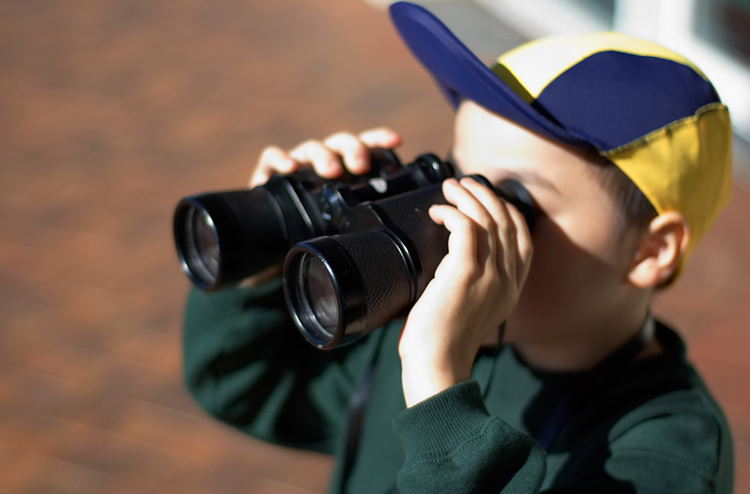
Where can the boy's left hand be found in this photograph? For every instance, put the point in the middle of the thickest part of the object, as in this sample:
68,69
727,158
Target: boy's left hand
475,288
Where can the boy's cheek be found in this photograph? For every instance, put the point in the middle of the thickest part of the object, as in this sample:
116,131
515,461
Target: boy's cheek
561,271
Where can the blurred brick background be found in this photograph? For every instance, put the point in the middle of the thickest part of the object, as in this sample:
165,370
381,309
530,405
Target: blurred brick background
110,111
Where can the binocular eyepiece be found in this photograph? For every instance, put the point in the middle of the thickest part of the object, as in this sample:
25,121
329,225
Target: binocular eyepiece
357,253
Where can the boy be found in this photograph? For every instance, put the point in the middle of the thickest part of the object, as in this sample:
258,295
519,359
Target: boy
624,147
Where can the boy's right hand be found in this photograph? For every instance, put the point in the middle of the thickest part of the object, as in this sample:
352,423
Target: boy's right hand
326,157
475,288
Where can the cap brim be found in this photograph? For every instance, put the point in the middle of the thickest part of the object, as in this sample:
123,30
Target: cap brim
461,75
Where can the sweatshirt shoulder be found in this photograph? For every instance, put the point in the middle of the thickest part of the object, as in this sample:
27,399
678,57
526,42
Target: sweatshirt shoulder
679,436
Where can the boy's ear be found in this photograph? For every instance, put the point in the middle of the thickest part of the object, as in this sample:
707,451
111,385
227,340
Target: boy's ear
661,250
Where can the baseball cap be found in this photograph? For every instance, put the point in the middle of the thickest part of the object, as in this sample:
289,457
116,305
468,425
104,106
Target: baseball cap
643,107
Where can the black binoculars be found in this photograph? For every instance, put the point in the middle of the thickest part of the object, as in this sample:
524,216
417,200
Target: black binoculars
357,252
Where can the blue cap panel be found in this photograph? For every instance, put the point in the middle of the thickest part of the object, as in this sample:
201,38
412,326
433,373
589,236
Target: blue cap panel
460,74
613,98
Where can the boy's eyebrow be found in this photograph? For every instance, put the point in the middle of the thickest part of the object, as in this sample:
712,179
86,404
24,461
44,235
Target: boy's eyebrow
535,179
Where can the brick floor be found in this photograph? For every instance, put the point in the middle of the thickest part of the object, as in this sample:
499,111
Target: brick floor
109,112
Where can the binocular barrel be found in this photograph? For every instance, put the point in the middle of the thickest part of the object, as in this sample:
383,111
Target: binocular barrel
225,237
341,287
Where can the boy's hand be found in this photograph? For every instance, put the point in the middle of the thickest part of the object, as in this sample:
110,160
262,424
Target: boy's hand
326,156
476,286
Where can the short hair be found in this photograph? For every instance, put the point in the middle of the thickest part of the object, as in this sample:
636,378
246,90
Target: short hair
635,211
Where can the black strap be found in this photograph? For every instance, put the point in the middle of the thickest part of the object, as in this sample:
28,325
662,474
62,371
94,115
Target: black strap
357,406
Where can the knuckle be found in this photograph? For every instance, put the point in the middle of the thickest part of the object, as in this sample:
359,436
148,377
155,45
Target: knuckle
481,219
374,133
270,153
342,140
464,227
307,148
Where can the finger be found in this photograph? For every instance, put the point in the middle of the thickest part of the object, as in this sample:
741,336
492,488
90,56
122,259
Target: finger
380,137
355,153
489,199
462,241
505,227
466,202
524,245
272,160
324,161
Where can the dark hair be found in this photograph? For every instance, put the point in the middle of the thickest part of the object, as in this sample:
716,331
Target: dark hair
636,211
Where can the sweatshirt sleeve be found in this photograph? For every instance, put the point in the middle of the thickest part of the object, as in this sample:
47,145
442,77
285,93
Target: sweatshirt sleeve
452,444
247,365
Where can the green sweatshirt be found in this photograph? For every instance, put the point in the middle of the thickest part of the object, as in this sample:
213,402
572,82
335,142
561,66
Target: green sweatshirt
649,427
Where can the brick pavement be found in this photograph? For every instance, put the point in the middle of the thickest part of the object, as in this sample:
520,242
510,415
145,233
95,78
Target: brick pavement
111,111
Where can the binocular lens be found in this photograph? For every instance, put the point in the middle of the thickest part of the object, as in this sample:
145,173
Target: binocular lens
317,298
201,248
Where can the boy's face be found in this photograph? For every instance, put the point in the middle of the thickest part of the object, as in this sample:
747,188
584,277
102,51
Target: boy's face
577,281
